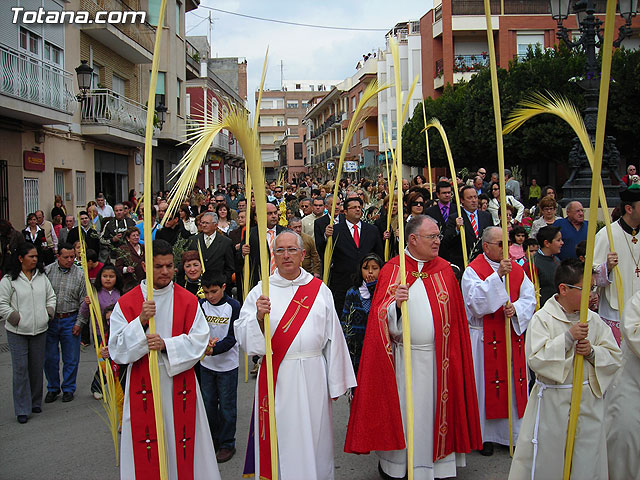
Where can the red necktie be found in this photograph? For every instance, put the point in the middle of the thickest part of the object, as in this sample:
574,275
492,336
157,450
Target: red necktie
356,237
271,239
473,224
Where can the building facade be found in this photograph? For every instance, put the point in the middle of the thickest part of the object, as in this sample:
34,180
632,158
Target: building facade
454,38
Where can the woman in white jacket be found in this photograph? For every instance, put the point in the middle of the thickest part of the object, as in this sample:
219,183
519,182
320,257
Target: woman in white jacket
27,302
494,204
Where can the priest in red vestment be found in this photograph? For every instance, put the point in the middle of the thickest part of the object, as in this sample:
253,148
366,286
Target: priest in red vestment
181,337
446,422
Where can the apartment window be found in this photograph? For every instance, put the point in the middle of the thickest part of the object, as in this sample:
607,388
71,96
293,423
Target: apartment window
58,183
280,122
154,12
298,86
95,76
160,90
292,121
178,95
305,105
266,121
361,132
386,127
118,85
81,189
353,104
178,19
292,103
297,151
31,196
394,125
52,54
29,41
525,40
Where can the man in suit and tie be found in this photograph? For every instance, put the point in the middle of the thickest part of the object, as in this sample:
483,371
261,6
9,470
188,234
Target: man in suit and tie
217,250
473,221
352,240
321,223
253,249
444,207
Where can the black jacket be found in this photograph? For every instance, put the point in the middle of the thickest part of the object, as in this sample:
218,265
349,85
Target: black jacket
218,257
435,213
451,246
254,254
171,234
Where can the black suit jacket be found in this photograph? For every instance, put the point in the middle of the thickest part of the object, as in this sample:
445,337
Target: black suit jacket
451,246
319,226
346,257
254,253
435,213
218,257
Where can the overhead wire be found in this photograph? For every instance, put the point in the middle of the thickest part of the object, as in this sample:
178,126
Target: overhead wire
297,24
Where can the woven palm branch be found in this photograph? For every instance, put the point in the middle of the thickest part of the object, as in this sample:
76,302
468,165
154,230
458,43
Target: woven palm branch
356,122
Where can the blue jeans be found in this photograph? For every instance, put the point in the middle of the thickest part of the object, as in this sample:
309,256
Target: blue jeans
219,394
60,333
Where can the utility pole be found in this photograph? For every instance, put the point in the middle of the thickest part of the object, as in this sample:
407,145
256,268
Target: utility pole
281,74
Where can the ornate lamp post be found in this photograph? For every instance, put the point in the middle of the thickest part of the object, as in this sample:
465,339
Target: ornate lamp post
161,110
85,74
579,183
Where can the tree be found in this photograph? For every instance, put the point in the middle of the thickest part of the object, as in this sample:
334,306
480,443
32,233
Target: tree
466,112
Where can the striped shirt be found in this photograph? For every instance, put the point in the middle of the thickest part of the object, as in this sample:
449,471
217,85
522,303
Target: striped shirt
68,285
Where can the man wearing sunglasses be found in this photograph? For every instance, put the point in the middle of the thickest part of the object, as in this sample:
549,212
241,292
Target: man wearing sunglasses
487,303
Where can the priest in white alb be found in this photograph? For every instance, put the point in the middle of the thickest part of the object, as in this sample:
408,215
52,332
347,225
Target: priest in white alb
181,338
486,303
446,425
626,243
623,417
311,366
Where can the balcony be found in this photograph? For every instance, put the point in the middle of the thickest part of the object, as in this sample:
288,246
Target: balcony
369,141
193,61
470,63
221,142
46,89
115,118
132,41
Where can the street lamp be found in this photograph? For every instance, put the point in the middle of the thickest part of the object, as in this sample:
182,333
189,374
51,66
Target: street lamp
85,75
578,185
161,110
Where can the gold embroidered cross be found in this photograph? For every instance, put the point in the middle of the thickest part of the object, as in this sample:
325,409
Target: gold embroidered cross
264,409
495,345
300,304
497,382
420,274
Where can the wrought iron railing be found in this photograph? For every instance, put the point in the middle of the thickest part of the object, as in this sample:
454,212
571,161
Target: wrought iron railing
470,63
35,81
192,55
105,107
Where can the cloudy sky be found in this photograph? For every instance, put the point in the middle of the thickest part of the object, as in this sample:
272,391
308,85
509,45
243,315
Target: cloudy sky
307,53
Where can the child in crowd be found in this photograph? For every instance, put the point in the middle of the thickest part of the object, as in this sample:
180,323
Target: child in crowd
93,264
357,304
517,237
219,367
108,288
553,338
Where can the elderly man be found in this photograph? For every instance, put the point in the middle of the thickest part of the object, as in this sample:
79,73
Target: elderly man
573,229
311,366
445,403
217,249
180,341
69,222
317,211
487,303
311,262
113,230
64,329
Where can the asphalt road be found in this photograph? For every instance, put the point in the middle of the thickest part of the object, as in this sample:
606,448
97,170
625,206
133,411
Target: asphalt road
71,441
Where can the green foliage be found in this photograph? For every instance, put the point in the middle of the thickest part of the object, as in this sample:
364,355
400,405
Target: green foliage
466,112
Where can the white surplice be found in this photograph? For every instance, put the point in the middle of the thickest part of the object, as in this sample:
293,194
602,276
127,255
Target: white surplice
623,417
483,298
550,354
424,382
128,343
628,258
316,368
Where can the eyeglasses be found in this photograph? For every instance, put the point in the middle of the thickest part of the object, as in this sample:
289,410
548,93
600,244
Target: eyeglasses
592,289
220,200
290,251
496,243
432,237
418,204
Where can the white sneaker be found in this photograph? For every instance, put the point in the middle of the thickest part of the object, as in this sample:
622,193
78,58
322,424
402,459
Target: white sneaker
97,395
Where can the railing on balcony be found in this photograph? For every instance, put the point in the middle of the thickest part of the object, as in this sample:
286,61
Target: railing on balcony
221,141
470,63
142,33
105,107
369,141
439,68
35,81
193,56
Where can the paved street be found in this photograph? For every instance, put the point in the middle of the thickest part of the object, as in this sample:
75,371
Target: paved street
70,441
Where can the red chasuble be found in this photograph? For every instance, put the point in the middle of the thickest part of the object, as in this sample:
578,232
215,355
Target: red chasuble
288,327
376,421
495,351
143,423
